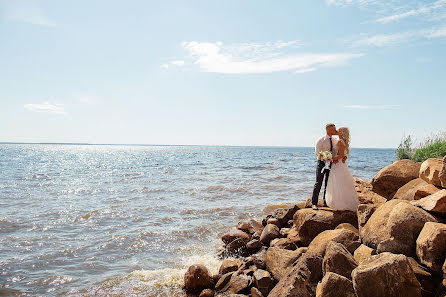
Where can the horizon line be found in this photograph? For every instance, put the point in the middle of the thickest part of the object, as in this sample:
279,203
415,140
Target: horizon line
141,144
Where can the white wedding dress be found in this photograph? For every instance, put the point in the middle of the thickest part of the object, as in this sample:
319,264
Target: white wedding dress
341,193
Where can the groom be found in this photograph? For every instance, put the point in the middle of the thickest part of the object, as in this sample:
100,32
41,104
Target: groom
325,143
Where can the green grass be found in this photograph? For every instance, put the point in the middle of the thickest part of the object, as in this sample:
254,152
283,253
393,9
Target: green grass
431,147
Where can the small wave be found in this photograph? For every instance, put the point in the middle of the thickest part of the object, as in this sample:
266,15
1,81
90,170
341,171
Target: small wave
214,188
253,167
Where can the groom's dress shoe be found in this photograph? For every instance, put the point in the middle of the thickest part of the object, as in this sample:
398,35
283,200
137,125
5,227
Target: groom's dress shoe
325,204
314,207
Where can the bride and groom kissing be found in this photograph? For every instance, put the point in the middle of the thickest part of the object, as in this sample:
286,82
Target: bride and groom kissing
332,154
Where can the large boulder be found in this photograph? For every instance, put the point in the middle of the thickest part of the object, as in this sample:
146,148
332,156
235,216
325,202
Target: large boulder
301,279
283,243
431,245
365,193
338,260
309,223
254,226
433,203
426,191
392,177
364,212
385,275
197,278
278,260
394,227
335,285
270,232
232,235
408,191
362,253
348,226
424,277
229,265
430,171
283,215
345,237
234,283
443,173
263,281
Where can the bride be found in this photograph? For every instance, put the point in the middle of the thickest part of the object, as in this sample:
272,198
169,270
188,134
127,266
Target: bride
341,193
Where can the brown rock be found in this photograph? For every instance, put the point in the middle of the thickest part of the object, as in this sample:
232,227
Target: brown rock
283,243
269,233
284,231
223,281
364,213
309,203
229,265
444,274
273,221
428,284
385,275
258,260
425,191
263,281
283,215
237,247
243,226
430,171
407,192
255,292
362,253
197,277
230,236
256,235
207,293
392,177
365,193
254,226
434,203
442,175
309,223
237,283
431,245
254,245
345,237
301,279
278,260
394,227
338,260
348,226
335,285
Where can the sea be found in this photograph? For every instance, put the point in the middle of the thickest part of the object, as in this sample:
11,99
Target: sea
127,220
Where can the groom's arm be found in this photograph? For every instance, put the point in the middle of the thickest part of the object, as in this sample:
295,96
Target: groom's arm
318,146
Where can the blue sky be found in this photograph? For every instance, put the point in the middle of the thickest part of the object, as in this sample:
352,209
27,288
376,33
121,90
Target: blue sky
221,72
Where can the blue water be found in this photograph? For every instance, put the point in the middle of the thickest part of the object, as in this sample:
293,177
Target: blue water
108,220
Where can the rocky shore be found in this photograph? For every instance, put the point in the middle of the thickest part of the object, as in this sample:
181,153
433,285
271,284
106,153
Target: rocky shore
394,245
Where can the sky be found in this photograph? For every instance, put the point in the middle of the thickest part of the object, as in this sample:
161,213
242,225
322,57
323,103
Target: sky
227,72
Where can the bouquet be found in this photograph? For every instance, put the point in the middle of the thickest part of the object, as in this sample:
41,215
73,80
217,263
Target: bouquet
326,157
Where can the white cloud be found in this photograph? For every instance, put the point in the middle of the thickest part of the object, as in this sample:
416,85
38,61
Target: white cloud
46,107
178,63
421,10
351,2
260,57
26,11
365,107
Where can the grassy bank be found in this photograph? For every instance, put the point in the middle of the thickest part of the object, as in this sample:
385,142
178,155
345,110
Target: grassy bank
431,147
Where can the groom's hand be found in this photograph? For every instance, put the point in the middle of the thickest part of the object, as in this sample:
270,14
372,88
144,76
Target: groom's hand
344,159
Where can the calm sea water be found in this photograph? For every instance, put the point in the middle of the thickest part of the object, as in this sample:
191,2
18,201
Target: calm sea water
97,220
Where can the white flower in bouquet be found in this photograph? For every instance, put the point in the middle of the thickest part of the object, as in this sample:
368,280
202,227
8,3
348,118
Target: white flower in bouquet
325,156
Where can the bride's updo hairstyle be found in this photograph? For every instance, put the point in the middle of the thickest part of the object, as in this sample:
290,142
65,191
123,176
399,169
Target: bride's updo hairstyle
344,134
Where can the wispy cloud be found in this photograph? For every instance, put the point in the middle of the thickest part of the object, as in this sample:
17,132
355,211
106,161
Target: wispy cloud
26,11
424,9
367,107
46,107
351,2
260,57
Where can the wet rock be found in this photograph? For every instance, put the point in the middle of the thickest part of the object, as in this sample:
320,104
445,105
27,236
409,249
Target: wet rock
237,284
243,226
407,192
229,265
197,277
256,235
364,213
348,226
283,243
263,281
257,260
345,237
392,177
430,171
385,275
431,245
283,215
207,293
269,233
335,285
433,203
362,253
273,221
365,193
426,191
301,279
237,247
338,260
223,281
278,260
254,245
309,223
255,292
254,226
394,227
232,235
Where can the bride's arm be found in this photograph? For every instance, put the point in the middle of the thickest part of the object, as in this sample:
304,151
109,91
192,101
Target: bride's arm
341,154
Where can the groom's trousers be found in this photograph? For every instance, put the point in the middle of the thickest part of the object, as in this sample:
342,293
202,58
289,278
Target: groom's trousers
319,179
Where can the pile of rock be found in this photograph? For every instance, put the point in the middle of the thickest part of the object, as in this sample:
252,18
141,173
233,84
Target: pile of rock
393,245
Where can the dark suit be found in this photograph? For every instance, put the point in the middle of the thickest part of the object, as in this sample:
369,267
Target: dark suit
320,178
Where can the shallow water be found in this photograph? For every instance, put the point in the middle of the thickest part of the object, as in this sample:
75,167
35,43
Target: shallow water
105,220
